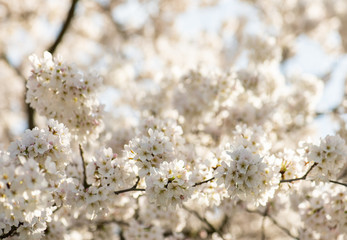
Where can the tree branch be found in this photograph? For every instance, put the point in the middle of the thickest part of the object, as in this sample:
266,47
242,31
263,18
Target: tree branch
30,111
85,184
11,232
274,222
339,183
301,178
206,181
65,27
204,220
133,188
304,178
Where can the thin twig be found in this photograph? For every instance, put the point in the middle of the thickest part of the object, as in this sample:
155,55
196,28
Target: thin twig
281,227
224,223
274,222
204,220
133,188
263,222
100,223
206,181
304,178
65,27
85,184
340,183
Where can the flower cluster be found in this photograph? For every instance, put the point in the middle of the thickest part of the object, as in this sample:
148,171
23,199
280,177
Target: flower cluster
50,147
149,152
324,214
32,174
25,202
293,164
59,90
330,157
173,220
104,175
169,185
248,176
105,170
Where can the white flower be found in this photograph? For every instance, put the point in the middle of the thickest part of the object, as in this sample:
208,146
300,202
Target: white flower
169,185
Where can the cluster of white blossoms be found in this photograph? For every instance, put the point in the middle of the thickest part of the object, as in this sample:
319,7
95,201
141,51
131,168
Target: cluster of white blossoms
107,171
323,214
329,156
149,151
105,174
248,176
293,164
25,202
169,219
31,174
169,185
246,170
61,91
158,141
50,147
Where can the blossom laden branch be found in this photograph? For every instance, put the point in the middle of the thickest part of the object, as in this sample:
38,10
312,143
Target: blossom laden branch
305,176
301,178
133,188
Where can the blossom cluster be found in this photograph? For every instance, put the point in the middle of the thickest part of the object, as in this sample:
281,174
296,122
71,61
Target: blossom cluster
330,158
324,213
32,174
50,147
61,91
169,184
248,176
246,170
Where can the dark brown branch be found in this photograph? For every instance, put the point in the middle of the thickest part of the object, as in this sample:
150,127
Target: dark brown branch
85,184
65,27
206,181
100,223
11,232
339,183
304,178
301,178
133,188
30,111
